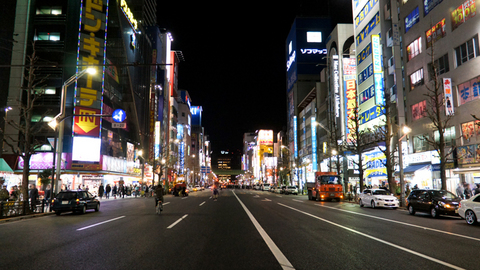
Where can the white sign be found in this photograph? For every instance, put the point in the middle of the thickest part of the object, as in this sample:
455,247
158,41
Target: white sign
119,125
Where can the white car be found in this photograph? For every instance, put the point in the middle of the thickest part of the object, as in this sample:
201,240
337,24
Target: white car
470,210
266,187
378,198
291,190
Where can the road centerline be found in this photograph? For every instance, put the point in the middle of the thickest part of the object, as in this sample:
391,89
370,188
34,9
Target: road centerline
176,222
100,223
375,238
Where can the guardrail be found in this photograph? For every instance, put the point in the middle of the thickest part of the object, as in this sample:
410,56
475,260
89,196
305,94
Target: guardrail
20,208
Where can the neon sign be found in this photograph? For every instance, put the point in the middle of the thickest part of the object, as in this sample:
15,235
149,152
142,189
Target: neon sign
128,13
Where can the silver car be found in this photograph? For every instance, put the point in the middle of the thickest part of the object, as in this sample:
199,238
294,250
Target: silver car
470,210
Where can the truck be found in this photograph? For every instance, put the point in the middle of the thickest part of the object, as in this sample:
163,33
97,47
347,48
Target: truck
327,186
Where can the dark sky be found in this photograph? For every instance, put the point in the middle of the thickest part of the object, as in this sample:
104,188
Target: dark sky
235,60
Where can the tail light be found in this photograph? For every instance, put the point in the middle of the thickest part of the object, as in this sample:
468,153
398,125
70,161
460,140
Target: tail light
78,201
459,204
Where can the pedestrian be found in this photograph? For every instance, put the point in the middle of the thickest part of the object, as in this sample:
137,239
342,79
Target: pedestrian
101,190
114,191
137,190
467,192
33,194
107,191
48,194
459,191
79,187
215,193
122,191
477,190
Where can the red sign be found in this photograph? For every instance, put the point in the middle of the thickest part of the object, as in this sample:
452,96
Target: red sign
87,125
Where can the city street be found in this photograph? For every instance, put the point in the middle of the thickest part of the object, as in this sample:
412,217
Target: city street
243,229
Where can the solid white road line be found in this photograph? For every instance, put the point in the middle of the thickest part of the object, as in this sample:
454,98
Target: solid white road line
296,200
376,239
100,223
176,222
166,203
201,204
282,260
404,223
184,198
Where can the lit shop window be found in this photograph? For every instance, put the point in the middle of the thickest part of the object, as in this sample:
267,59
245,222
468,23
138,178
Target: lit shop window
416,79
49,11
53,36
419,110
415,48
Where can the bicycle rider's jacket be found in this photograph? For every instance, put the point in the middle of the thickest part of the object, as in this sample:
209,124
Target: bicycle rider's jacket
159,193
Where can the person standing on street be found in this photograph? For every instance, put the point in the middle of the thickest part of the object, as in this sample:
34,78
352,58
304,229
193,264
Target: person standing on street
477,190
33,194
459,191
467,191
101,190
107,191
114,191
48,195
215,193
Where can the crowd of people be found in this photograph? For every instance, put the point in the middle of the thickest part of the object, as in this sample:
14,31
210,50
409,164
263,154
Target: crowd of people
466,191
121,190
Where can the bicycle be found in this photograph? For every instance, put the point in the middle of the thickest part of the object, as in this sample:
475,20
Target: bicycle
159,207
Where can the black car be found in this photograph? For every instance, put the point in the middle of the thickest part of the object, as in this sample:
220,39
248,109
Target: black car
435,202
76,201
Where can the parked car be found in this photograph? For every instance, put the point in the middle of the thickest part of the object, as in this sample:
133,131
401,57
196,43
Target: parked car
76,201
197,188
291,190
470,210
281,189
435,202
378,198
266,187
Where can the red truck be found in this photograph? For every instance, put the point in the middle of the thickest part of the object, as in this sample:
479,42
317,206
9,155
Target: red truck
327,186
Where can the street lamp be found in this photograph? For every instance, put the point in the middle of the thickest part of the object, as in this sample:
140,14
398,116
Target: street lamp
58,121
405,130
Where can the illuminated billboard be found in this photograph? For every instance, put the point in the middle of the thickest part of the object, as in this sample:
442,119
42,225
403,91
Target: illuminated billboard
92,38
265,137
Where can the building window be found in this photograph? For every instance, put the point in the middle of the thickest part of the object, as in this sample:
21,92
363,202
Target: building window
469,91
441,64
420,144
449,136
54,36
49,10
414,48
419,110
467,51
416,79
470,130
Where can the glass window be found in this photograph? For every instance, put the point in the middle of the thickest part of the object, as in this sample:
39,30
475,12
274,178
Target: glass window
57,10
416,79
48,36
414,48
419,110
466,51
449,136
420,144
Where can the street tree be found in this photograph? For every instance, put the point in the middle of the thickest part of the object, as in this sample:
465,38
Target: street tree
358,140
25,144
440,119
385,134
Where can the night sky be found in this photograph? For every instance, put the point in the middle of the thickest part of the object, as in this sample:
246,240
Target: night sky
235,60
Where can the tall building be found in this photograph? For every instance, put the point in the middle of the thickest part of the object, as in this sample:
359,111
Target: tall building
379,71
305,52
443,34
68,36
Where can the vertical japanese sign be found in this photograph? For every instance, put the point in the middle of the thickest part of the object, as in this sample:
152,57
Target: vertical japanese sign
92,38
350,86
447,88
314,145
336,85
378,70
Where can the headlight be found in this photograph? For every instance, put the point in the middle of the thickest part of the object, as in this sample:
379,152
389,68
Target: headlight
444,205
378,199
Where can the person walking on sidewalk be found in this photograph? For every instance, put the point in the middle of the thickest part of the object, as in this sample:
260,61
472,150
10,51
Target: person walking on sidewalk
114,191
101,190
33,194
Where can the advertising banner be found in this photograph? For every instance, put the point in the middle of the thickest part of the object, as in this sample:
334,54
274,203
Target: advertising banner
447,88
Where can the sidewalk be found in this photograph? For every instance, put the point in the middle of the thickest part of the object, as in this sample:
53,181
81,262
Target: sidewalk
47,213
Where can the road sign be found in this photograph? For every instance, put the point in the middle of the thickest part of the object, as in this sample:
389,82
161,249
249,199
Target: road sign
119,115
119,125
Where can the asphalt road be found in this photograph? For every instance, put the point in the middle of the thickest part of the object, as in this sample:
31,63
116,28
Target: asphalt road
243,229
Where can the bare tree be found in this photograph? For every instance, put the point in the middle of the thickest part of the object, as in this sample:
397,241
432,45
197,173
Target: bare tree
385,134
435,102
25,144
358,140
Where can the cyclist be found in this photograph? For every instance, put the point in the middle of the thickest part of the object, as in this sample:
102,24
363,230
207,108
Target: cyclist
159,196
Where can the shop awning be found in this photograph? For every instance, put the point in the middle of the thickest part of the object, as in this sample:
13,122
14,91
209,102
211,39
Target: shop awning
4,166
414,168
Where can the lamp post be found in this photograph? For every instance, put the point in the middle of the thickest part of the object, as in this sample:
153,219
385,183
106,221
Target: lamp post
59,118
405,130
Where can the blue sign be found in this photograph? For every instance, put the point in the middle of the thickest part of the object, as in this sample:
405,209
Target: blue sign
314,145
119,115
412,19
365,74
